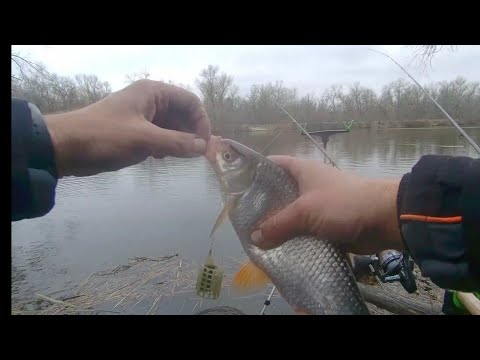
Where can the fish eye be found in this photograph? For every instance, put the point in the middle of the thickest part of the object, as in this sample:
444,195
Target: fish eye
227,156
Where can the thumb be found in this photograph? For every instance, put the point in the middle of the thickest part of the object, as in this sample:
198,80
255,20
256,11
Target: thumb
166,142
281,227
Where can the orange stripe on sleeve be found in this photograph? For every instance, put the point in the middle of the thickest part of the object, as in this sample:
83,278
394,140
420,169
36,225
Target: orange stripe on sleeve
432,219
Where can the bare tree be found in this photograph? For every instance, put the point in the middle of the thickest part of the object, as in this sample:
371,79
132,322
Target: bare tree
207,84
22,65
398,103
53,93
131,78
214,87
425,53
91,89
186,87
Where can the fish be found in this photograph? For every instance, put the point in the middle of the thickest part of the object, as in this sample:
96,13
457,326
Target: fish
312,275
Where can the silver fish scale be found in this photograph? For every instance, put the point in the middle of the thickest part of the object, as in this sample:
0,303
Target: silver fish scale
312,275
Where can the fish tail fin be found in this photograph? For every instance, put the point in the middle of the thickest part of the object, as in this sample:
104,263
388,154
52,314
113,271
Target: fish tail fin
249,278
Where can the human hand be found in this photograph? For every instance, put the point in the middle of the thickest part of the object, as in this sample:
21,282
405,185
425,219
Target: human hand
147,118
357,213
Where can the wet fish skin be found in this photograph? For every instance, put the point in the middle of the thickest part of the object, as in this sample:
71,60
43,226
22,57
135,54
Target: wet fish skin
311,274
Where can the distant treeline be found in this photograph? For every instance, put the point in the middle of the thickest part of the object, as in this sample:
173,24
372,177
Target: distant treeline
399,102
52,93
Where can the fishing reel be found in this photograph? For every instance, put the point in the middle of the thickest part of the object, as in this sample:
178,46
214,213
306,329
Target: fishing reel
389,266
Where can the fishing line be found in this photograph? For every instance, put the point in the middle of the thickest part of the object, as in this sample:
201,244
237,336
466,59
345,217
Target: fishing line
309,136
463,133
268,300
459,128
213,235
271,142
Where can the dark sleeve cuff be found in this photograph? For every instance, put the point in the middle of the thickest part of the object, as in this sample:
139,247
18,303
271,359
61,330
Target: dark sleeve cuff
34,176
438,210
402,188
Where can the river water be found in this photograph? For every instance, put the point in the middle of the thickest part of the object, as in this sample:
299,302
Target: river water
168,206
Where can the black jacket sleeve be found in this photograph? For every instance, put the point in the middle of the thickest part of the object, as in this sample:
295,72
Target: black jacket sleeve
438,207
33,173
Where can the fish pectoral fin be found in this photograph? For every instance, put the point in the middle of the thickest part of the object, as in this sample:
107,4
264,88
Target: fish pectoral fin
229,204
249,278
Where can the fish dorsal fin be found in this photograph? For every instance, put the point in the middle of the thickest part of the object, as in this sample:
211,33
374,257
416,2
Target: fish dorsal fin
249,278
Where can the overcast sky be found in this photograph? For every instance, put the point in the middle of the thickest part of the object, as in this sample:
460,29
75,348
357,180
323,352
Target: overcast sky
309,68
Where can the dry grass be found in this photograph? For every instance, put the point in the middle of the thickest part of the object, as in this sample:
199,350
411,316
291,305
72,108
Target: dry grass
144,284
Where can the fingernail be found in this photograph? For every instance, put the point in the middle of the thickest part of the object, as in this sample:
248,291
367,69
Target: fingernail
200,146
257,237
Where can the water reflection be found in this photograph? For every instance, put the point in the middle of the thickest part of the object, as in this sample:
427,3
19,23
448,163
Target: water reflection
169,206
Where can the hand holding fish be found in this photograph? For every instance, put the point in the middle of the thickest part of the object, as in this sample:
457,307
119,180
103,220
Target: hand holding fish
147,118
357,213
310,273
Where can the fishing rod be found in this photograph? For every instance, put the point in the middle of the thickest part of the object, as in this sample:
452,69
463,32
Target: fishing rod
459,128
267,302
308,135
402,271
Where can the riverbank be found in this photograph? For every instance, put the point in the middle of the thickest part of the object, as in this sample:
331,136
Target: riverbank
145,285
405,124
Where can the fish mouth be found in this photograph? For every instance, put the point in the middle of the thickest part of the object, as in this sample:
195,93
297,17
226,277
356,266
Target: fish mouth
212,148
242,149
217,145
